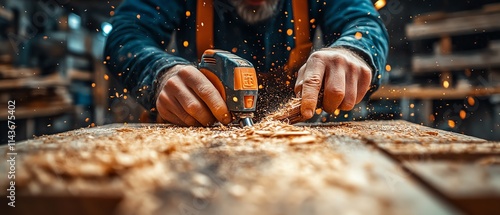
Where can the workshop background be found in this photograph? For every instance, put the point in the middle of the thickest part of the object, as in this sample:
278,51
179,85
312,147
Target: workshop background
443,67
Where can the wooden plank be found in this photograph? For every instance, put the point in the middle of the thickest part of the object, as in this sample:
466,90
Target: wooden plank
395,132
475,188
7,71
33,82
434,93
81,75
430,17
456,61
440,15
465,173
467,152
33,112
452,26
220,170
491,8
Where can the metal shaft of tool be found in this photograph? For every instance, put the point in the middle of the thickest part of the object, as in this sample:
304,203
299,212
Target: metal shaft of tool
246,122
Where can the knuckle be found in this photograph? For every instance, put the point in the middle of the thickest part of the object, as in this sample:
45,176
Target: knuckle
353,68
220,109
337,93
314,80
206,91
365,72
185,72
171,84
193,107
301,70
339,59
316,55
366,69
315,58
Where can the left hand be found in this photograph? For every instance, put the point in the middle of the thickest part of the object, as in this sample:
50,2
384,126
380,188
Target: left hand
344,76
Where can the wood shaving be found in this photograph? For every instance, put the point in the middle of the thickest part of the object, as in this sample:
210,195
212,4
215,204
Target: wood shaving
290,113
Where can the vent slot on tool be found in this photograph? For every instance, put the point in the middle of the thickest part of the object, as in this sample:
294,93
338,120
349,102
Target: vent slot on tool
209,60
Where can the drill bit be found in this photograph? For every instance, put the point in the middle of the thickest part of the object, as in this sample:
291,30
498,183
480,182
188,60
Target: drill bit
244,119
246,122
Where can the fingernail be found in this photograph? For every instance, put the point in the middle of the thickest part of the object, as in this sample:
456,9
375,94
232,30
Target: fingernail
309,113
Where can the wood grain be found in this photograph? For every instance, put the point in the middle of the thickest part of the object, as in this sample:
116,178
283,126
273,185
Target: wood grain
272,168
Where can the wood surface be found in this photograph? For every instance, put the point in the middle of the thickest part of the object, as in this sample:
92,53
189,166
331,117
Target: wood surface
272,168
482,59
388,92
454,24
464,171
33,82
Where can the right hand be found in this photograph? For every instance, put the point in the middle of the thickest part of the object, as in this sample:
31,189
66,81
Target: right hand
188,98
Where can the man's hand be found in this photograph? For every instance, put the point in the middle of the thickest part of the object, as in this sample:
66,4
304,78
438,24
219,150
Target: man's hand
188,98
343,75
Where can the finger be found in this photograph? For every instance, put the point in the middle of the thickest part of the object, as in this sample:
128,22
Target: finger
300,81
179,111
170,117
364,83
207,92
175,84
195,107
351,90
334,88
161,105
313,78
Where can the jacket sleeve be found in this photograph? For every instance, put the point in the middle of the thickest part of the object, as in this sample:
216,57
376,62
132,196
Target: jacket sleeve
135,48
356,25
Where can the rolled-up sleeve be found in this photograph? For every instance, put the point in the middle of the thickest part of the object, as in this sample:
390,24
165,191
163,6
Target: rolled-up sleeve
356,25
135,49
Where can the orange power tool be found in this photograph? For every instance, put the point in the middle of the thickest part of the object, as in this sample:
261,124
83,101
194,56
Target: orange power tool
235,79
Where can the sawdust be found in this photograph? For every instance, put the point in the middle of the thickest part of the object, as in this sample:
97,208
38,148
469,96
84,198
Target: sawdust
132,160
289,113
236,169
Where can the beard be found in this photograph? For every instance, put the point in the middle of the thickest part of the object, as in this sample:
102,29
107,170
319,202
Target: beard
252,14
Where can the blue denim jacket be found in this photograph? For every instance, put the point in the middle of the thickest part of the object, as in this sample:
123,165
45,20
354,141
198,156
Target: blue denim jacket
136,49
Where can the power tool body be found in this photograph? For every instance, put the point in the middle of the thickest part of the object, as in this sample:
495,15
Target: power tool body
235,79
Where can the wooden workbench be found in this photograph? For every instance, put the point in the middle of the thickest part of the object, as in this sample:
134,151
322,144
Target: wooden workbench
384,167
